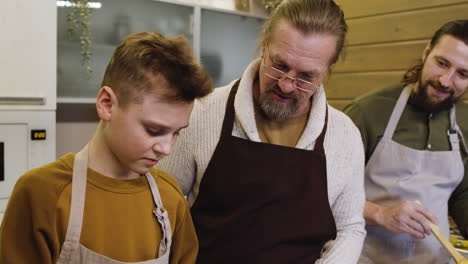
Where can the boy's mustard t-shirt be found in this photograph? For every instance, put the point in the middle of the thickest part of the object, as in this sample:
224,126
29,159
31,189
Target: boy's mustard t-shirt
118,219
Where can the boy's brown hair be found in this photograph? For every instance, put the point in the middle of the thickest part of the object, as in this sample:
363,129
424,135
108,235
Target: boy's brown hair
142,56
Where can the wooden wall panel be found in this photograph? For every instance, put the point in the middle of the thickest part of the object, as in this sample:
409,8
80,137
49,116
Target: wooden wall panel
412,25
351,85
382,57
385,39
353,9
339,104
344,86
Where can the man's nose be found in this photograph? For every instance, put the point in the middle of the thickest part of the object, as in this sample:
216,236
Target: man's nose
446,78
287,83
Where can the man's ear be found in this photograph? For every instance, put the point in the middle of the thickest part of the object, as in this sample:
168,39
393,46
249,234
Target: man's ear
426,52
262,52
106,103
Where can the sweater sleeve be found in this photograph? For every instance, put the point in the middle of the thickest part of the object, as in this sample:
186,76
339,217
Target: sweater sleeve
25,233
178,163
354,112
184,248
348,206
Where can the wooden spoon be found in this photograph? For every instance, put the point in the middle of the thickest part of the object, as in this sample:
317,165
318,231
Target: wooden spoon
459,259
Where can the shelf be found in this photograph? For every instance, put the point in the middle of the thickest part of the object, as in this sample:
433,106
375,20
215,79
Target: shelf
223,39
75,100
14,100
221,6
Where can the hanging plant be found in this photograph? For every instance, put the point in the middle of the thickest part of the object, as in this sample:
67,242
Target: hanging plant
79,27
270,4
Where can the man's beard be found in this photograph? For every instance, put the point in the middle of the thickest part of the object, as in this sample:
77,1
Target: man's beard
422,99
275,110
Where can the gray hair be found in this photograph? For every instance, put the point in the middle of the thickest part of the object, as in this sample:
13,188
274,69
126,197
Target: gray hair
309,16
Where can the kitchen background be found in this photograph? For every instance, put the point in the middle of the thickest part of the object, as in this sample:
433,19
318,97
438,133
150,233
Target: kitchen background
47,98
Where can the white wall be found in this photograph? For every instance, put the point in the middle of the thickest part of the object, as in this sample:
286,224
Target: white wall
73,136
27,72
28,52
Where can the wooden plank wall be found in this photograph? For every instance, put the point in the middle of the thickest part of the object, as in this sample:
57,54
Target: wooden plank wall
385,38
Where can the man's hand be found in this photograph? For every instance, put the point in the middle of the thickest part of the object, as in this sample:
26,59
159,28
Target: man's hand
406,217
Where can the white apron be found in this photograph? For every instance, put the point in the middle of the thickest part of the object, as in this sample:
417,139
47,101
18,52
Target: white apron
73,252
395,173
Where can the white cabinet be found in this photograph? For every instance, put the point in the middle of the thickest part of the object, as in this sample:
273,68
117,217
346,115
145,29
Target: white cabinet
228,44
224,38
27,87
21,149
27,54
13,146
110,24
13,162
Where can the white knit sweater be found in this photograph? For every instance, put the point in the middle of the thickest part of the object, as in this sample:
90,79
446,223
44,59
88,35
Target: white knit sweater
343,149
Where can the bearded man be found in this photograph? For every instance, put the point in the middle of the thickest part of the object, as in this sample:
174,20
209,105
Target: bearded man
274,174
416,156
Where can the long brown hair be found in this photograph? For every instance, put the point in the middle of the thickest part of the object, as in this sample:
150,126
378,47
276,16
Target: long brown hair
457,29
309,16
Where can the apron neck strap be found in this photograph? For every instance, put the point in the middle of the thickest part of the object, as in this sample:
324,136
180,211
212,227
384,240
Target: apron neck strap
321,137
228,122
78,194
75,221
452,132
453,119
397,111
455,134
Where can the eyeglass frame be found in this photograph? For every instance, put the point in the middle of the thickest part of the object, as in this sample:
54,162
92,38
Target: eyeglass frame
285,75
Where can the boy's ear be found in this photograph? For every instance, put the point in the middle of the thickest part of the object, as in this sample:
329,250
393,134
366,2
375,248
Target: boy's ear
106,103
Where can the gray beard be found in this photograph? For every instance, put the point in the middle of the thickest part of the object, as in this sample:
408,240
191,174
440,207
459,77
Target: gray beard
274,110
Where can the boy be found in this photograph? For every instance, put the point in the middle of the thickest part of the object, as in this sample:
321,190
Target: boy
112,211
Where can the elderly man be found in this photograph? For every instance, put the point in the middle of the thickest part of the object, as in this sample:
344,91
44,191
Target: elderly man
416,153
274,174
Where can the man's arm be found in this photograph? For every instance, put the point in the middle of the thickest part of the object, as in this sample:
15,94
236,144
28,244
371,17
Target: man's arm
348,205
406,217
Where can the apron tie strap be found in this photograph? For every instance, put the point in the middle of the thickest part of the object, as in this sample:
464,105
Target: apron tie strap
161,216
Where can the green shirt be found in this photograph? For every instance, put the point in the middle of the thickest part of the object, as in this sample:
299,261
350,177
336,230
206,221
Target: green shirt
416,129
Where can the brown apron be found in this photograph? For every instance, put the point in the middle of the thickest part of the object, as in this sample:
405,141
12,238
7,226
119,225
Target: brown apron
262,203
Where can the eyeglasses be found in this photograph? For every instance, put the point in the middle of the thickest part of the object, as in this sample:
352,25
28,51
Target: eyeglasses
277,74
